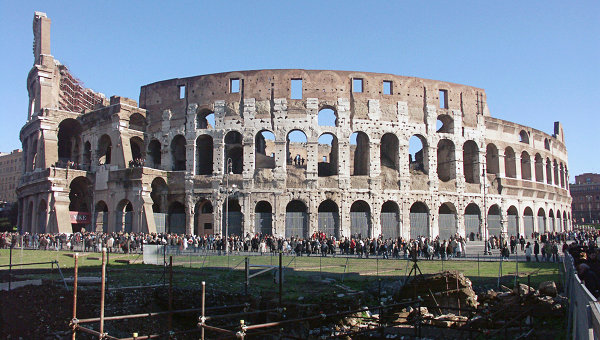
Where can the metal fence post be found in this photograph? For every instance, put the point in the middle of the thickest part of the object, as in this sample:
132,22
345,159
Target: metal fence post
102,290
75,271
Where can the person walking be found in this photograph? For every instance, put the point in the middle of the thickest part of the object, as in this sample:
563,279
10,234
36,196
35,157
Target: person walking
536,250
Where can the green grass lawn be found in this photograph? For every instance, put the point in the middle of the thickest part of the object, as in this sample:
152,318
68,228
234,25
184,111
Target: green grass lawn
227,272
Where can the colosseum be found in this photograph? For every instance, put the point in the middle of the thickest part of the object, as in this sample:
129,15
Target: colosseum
283,152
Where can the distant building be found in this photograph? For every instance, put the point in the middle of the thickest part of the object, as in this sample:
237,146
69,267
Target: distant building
586,198
11,169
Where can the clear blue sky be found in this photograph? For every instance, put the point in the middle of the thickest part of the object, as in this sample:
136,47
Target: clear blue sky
539,61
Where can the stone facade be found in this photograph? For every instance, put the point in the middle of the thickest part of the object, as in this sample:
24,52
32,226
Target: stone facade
163,165
10,174
586,198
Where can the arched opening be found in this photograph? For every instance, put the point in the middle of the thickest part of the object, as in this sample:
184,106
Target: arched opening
524,137
419,220
562,175
42,217
159,203
296,219
124,216
418,154
445,124
205,119
447,221
329,218
388,151
551,224
101,218
558,224
541,219
178,154
360,151
390,220
233,224
204,155
565,225
472,221
234,150
510,165
263,218
328,155
296,144
525,166
327,117
494,221
137,155
360,219
556,179
104,150
471,161
492,164
69,141
264,150
203,218
446,161
546,144
33,155
87,155
528,222
513,221
548,171
137,122
176,218
154,154
539,168
80,199
29,225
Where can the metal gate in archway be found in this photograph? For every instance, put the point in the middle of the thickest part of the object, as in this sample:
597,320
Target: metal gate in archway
513,225
263,223
125,221
551,224
177,223
494,225
390,225
360,224
447,226
160,220
233,224
527,226
419,225
329,223
296,224
471,225
541,224
102,221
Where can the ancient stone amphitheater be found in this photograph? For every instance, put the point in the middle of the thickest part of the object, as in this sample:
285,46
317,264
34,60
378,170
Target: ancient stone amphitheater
283,152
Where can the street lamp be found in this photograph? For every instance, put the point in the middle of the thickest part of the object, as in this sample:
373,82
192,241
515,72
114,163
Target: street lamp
228,191
589,199
485,228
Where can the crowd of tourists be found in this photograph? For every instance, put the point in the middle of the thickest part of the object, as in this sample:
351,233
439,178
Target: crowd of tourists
544,247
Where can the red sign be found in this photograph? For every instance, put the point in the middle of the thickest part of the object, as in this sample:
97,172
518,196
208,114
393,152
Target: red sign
80,217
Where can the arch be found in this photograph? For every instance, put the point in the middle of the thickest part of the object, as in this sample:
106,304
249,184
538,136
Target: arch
159,195
525,166
101,216
205,119
494,219
360,219
178,153
565,223
296,144
296,219
360,154
234,151
546,144
418,154
548,171
329,218
389,151
471,162
556,179
446,160
528,222
69,140
445,124
87,155
472,221
510,165
137,122
558,223
390,220
104,152
539,168
204,155
541,219
263,218
524,137
264,150
327,116
551,224
80,195
233,219
492,161
203,218
124,216
42,217
419,220
447,221
513,221
154,154
137,148
562,175
328,155
176,224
